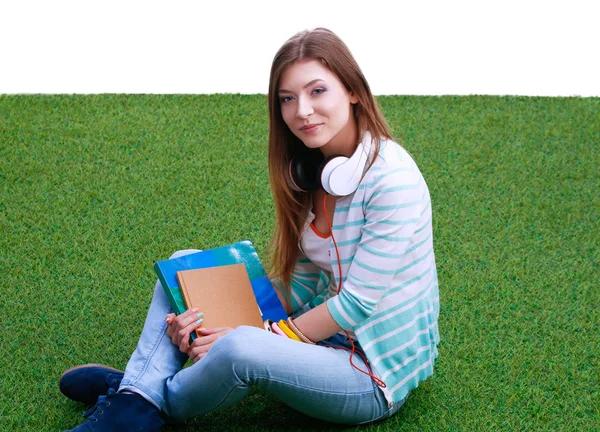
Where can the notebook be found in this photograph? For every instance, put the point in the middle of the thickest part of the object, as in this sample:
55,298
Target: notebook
224,294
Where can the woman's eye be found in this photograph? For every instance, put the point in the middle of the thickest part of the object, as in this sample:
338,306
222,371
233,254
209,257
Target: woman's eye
286,99
318,90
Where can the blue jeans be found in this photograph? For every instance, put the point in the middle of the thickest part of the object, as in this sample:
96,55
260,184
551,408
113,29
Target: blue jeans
313,379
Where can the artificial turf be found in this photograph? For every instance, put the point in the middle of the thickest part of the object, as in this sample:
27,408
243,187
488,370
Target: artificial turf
95,188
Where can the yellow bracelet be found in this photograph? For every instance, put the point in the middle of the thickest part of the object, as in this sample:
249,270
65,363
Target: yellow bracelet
296,330
284,328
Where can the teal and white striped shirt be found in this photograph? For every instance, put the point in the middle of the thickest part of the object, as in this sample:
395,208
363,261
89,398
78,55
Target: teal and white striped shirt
389,296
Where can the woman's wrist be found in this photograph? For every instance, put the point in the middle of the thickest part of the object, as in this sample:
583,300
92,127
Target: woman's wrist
287,328
288,332
292,326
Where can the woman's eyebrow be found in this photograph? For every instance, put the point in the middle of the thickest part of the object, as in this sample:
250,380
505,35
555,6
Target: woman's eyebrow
305,85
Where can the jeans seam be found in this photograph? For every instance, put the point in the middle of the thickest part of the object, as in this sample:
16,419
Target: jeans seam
146,361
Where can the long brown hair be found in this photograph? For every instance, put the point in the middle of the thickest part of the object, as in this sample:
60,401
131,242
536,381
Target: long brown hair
292,207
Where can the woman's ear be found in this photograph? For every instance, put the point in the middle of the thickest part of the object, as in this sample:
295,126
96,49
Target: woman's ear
353,98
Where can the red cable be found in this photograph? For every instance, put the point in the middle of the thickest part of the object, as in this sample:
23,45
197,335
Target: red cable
377,381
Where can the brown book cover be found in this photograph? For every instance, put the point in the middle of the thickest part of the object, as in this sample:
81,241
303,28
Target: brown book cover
223,293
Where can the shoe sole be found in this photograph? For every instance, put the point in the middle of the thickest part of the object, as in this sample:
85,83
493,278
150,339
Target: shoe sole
74,368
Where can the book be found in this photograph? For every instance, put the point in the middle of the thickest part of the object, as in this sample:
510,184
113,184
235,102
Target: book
224,294
242,252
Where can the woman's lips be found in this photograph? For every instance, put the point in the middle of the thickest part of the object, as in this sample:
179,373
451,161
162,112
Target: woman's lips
310,128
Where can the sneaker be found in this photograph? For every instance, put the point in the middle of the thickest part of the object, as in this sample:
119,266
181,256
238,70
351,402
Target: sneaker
86,382
122,412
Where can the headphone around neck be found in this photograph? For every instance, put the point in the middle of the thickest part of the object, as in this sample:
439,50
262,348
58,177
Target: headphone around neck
338,175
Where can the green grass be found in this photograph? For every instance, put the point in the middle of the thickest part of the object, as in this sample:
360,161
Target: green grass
95,189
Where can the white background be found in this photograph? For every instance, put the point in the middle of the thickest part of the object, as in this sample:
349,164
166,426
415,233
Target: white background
419,47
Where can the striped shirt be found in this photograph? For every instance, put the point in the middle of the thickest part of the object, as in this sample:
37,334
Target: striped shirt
389,295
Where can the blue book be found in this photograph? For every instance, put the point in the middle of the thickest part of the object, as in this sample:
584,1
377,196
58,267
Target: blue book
238,253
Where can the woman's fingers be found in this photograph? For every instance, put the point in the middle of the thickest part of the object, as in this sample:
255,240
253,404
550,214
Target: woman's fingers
184,336
200,348
197,357
202,344
209,331
179,327
210,335
203,340
169,320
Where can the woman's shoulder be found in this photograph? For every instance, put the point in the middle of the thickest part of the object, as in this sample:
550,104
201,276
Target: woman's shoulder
392,166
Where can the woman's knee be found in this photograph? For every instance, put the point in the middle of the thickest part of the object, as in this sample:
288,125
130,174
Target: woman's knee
244,345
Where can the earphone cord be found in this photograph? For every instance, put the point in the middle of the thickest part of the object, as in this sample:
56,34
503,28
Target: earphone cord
353,351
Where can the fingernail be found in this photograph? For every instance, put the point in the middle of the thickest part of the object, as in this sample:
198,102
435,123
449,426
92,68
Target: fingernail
200,314
199,321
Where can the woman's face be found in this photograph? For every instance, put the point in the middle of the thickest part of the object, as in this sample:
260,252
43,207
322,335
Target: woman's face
317,108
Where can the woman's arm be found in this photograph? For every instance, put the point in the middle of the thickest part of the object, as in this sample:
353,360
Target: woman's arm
317,324
282,298
394,212
304,285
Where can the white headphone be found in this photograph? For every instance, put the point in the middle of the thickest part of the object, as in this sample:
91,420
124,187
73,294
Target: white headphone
337,175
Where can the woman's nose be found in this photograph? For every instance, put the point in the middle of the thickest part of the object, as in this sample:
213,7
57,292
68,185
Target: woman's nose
304,108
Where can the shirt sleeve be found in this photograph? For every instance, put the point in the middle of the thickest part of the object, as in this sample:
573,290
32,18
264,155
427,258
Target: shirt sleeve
392,213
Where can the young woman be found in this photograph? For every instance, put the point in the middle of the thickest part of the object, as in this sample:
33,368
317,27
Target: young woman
353,263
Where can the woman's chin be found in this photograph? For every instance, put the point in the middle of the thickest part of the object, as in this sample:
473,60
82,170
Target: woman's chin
313,142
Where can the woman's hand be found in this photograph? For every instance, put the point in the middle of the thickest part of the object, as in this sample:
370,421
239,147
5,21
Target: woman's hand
203,343
180,327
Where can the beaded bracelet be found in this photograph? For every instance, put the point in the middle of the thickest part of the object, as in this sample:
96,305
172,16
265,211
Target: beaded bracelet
296,330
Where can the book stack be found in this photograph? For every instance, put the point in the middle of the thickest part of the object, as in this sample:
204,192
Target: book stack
228,284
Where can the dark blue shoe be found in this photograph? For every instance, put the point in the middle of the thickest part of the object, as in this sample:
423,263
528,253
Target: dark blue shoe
85,383
121,412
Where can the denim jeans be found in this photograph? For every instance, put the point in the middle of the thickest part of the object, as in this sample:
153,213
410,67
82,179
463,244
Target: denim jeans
313,379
